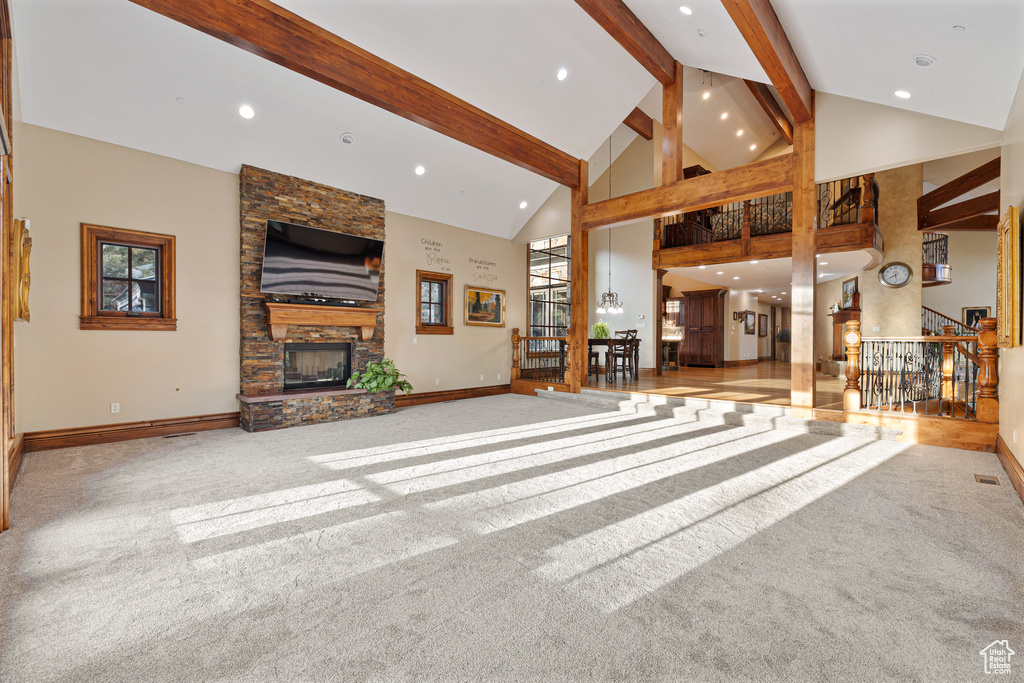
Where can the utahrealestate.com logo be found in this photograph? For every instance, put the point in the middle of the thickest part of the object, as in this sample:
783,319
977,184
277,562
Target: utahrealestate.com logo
997,657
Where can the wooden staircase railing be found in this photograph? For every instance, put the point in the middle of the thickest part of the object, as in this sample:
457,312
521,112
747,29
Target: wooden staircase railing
930,375
540,362
932,322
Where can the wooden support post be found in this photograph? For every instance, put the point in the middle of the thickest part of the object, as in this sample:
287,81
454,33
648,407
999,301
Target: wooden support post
745,226
867,194
672,122
515,353
988,377
574,351
948,361
851,394
579,302
805,271
659,306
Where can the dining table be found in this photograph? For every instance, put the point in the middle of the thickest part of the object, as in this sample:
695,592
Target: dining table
612,343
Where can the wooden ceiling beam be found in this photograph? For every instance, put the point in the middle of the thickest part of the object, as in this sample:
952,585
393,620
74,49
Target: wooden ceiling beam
272,32
971,180
640,123
759,179
983,223
764,97
969,208
760,27
622,25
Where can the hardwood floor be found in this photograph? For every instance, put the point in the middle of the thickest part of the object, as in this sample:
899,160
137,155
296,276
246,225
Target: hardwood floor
766,382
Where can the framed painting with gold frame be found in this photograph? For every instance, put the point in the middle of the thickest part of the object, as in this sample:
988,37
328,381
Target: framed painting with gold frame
1008,279
485,306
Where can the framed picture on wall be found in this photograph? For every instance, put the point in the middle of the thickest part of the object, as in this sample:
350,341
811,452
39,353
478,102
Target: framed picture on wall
762,325
850,293
748,322
485,307
974,314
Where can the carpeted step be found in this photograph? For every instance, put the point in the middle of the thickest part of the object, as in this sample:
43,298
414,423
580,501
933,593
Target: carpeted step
717,412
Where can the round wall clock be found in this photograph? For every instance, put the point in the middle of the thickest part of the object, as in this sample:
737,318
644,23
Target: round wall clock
895,274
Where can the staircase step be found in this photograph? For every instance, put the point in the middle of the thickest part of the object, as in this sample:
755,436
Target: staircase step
711,411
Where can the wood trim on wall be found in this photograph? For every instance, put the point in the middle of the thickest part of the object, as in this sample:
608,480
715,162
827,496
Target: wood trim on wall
7,291
421,398
125,431
14,461
739,363
1011,464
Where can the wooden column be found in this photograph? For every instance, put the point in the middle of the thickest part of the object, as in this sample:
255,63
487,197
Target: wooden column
851,394
515,354
948,361
659,302
672,122
988,376
867,198
805,270
579,301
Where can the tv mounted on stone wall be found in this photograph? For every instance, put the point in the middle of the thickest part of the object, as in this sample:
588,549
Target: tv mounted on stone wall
314,264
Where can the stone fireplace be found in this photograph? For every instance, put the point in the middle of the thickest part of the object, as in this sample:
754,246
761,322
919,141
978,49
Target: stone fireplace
270,359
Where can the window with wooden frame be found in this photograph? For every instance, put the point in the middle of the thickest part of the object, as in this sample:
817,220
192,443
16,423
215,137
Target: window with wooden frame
434,312
127,280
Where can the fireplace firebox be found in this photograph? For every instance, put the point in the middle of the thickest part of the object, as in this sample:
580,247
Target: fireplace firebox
316,366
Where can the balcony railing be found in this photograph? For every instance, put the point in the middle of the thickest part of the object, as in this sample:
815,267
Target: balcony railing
842,202
935,248
947,375
540,359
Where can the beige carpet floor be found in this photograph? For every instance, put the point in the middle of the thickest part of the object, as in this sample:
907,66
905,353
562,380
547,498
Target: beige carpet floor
509,539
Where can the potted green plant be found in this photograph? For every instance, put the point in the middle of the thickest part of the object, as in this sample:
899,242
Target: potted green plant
377,377
600,330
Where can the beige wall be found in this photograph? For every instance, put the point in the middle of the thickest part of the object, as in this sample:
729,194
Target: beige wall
739,345
67,377
885,312
1011,361
854,137
633,278
972,256
764,344
472,356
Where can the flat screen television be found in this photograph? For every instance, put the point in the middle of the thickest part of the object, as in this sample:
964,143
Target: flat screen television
311,263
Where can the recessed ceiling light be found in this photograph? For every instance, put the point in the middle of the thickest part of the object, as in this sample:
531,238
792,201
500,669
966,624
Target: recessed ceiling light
720,273
420,170
753,147
348,138
902,94
725,115
246,112
783,292
180,100
739,132
824,263
774,297
924,60
562,73
523,205
702,267
701,32
735,277
753,261
686,10
958,28
707,94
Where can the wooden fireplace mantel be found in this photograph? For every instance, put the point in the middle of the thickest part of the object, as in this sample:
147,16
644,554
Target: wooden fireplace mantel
281,315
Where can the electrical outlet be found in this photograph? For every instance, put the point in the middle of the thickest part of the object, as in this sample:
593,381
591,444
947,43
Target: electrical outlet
551,388
499,379
877,328
437,382
115,407
1015,436
481,378
414,340
641,326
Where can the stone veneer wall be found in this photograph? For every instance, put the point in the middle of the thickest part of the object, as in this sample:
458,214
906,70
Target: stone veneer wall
266,195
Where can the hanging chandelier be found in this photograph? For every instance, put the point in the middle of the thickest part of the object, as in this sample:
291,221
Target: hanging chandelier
609,300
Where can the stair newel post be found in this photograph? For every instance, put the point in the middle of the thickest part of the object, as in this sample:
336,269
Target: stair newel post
948,361
867,206
851,394
745,229
515,353
657,234
988,376
567,377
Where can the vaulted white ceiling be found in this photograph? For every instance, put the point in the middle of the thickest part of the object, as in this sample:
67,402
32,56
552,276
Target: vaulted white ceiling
110,70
